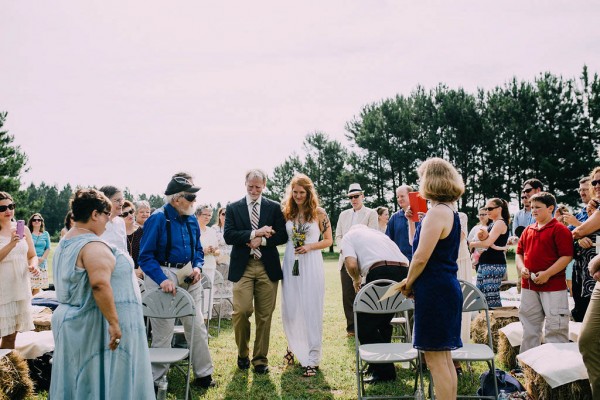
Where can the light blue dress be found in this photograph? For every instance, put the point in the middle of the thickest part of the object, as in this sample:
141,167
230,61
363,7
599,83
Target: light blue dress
83,366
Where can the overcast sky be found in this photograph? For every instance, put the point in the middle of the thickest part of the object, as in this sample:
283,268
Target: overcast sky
129,92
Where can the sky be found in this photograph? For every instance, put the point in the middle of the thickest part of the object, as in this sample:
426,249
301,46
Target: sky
129,92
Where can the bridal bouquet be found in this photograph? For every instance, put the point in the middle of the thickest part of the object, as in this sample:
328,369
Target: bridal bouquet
298,238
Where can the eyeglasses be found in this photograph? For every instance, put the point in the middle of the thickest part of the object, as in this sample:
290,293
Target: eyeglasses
8,207
594,183
483,215
491,208
107,213
523,197
206,215
223,214
127,213
356,196
37,220
189,197
527,190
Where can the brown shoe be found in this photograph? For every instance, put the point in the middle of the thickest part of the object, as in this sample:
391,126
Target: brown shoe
350,334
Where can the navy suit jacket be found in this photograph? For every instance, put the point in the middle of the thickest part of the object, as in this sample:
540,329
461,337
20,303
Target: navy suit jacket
237,233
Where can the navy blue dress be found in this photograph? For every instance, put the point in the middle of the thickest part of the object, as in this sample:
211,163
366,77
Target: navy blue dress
438,298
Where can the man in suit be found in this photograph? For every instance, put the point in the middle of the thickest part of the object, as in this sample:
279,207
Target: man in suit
358,214
255,227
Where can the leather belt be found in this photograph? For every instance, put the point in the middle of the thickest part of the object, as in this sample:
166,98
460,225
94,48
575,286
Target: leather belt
173,265
388,263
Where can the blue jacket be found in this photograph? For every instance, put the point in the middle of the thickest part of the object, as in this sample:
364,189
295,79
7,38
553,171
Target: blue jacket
397,230
154,242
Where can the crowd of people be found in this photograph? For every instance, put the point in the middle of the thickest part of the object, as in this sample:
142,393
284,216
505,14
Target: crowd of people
110,245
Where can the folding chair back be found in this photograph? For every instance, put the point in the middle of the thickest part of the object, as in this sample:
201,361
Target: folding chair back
161,305
367,300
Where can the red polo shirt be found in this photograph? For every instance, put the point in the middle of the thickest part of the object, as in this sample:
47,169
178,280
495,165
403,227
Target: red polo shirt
540,248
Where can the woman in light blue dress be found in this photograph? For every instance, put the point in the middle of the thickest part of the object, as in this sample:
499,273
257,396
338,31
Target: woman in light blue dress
101,350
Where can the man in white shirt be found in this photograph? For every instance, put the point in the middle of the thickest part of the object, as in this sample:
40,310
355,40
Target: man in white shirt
371,254
358,214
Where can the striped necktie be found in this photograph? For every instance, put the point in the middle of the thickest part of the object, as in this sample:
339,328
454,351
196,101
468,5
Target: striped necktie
254,223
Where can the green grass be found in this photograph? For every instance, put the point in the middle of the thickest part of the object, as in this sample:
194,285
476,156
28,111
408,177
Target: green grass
336,378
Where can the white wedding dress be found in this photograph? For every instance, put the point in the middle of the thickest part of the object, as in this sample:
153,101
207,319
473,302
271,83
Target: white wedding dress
302,300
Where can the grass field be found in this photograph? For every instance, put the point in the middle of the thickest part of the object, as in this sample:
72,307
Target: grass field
336,378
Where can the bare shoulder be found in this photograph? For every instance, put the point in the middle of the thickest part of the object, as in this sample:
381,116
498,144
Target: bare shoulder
321,212
96,252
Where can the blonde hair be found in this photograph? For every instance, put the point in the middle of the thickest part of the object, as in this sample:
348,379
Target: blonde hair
440,181
594,172
289,206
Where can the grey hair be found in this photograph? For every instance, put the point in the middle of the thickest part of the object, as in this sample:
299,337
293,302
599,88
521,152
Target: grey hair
408,188
586,179
256,173
201,208
142,204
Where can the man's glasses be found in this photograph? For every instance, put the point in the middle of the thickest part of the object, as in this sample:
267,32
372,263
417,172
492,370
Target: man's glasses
491,208
356,196
527,190
483,215
8,207
127,213
37,220
594,183
189,197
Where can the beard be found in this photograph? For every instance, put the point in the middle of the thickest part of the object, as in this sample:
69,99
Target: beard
188,210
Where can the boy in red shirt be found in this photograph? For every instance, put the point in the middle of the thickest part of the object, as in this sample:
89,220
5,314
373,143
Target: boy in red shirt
544,250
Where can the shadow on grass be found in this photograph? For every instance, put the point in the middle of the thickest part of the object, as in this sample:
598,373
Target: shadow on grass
239,387
295,386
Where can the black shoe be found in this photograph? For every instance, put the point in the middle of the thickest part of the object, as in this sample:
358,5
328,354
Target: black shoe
376,379
243,363
204,382
261,369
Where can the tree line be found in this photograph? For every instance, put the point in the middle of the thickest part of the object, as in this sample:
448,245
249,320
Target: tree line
497,139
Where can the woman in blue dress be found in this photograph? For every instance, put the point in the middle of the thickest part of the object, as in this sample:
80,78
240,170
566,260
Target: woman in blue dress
101,350
432,278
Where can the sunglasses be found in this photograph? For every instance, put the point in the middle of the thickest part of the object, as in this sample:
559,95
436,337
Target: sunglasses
37,220
356,196
189,197
105,212
523,197
127,213
222,213
492,208
527,190
8,207
594,183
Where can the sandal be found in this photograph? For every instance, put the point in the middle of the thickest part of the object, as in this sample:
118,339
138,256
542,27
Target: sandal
288,359
310,371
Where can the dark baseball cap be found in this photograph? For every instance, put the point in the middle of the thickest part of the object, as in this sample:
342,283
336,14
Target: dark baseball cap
180,184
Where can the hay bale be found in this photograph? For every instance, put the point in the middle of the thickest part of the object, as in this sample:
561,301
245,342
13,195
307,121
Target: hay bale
42,321
538,389
499,318
507,354
15,383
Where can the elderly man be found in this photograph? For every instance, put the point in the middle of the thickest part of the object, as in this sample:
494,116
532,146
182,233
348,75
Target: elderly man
171,242
255,227
371,254
398,225
358,214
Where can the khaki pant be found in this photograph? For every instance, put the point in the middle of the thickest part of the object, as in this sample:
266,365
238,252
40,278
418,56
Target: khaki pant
254,291
589,341
547,310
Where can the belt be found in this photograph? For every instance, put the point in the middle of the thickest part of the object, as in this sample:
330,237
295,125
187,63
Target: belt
173,265
387,263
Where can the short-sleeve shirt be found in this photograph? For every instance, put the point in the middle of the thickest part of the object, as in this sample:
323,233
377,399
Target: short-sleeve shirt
369,246
540,248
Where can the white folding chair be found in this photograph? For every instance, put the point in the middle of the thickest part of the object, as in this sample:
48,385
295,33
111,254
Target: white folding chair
220,297
158,304
474,300
206,285
368,301
401,327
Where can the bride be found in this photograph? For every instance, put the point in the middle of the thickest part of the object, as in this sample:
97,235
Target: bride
303,286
